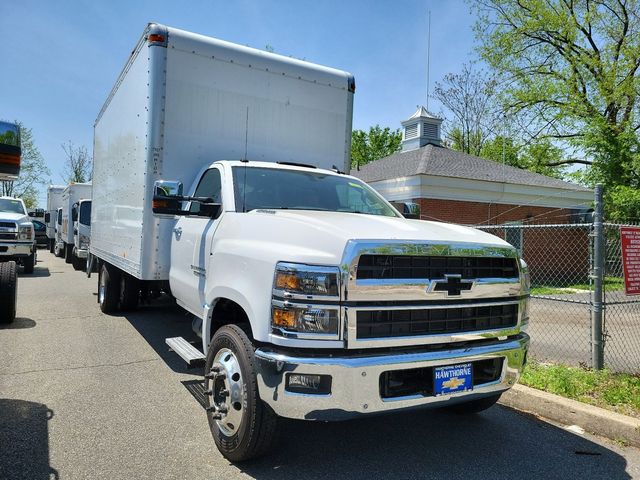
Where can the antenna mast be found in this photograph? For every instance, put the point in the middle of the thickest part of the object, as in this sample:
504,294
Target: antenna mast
428,53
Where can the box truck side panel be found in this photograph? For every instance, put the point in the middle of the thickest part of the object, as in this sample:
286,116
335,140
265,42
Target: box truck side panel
225,102
119,168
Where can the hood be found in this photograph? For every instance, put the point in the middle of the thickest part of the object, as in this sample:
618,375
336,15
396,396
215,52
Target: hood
14,217
321,237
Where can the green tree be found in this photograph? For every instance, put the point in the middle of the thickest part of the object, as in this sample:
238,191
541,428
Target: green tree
378,142
78,165
571,71
33,171
474,115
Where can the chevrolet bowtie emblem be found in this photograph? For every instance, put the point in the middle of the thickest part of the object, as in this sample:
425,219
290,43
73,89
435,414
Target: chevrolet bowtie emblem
452,284
453,383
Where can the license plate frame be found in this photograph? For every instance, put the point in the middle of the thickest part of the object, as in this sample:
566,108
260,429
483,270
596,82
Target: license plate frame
448,379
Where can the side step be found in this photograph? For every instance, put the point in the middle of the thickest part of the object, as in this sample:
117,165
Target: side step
186,351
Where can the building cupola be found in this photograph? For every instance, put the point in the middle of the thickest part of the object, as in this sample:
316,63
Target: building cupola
420,129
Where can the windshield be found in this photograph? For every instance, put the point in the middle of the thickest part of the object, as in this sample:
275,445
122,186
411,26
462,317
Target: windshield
85,213
11,205
275,188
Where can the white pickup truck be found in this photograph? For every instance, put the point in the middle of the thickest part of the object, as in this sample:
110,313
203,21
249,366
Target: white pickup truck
313,296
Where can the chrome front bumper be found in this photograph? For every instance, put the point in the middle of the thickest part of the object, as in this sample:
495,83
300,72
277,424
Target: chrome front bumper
16,249
355,385
81,252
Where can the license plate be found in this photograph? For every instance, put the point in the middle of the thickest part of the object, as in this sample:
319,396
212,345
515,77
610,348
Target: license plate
452,378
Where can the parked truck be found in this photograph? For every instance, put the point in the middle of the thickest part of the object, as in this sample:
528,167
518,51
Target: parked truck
17,237
219,178
54,201
72,194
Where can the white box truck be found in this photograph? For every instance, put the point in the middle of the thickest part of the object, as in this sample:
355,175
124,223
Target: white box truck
54,201
72,194
219,179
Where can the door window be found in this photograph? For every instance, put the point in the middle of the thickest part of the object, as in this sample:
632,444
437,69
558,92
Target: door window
210,186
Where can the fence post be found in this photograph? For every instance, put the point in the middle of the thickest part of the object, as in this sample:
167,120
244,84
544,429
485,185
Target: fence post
597,345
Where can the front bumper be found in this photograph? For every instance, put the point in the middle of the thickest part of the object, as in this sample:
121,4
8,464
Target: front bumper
355,380
81,252
16,250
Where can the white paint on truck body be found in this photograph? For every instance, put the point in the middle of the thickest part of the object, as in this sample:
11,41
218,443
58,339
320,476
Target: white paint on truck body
72,193
54,202
179,106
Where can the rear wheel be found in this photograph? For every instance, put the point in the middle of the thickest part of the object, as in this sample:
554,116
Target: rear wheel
79,263
29,263
475,406
129,292
8,291
243,427
108,288
68,253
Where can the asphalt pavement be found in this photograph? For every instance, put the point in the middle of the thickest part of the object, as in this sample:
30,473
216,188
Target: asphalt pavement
89,396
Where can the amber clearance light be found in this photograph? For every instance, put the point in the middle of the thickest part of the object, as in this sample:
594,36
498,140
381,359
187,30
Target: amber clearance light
156,37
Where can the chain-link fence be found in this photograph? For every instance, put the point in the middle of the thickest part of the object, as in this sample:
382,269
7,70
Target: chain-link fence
564,307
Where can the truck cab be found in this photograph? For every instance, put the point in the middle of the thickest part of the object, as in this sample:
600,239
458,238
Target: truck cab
349,308
81,216
17,235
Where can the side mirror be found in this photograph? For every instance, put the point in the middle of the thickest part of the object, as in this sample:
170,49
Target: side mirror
409,210
167,197
47,217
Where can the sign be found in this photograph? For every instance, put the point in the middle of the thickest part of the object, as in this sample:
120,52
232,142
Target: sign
630,240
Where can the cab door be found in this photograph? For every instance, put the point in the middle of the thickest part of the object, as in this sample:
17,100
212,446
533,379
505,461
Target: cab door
191,246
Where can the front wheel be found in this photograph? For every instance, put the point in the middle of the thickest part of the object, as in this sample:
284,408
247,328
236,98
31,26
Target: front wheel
29,263
52,245
243,427
78,263
475,406
8,291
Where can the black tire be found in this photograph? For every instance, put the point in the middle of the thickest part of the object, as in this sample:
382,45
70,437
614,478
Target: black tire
8,291
79,264
475,406
68,253
29,263
108,288
129,292
257,430
52,245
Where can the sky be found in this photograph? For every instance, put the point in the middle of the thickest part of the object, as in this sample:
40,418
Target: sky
61,58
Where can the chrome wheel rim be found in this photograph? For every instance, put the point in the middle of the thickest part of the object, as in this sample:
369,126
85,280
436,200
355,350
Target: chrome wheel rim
227,392
101,290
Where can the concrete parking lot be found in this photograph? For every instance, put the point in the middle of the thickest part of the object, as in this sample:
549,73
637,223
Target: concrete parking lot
85,395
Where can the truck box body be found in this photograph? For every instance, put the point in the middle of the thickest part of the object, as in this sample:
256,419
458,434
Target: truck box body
54,201
184,101
72,194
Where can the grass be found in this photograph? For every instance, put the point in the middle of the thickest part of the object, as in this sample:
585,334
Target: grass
611,284
619,392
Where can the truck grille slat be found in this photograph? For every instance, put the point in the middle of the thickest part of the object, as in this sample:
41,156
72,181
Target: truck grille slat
429,267
401,323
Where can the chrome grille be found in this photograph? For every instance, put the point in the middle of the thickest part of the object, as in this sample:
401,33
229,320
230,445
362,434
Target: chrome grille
423,267
404,323
8,231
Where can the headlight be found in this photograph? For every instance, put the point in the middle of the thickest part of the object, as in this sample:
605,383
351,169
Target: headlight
25,231
296,284
84,241
305,318
292,278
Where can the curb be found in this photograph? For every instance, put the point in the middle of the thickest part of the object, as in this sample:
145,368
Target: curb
571,412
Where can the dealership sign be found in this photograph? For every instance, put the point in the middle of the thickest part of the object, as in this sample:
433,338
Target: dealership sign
630,239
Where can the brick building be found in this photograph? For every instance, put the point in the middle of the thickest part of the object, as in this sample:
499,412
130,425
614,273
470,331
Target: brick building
452,186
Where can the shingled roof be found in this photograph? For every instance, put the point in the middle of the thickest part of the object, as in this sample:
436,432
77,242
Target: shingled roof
444,162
